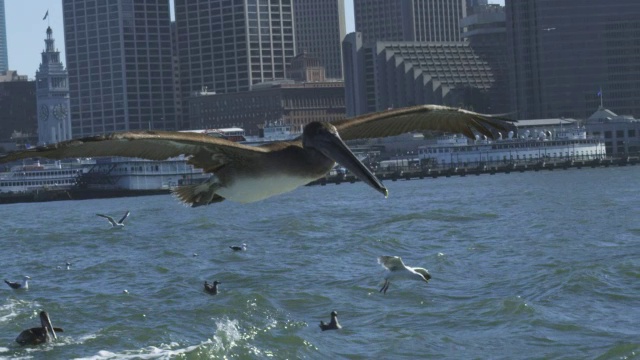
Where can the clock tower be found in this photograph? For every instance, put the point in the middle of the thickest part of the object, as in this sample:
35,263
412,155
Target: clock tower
52,93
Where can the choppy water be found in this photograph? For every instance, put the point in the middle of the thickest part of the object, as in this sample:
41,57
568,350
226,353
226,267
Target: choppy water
533,265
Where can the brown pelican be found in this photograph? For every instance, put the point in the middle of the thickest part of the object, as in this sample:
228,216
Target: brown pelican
114,223
245,173
19,285
211,288
333,325
38,335
398,270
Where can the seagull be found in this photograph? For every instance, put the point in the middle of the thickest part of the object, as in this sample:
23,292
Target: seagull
18,285
38,335
211,288
243,247
333,325
245,174
119,223
398,270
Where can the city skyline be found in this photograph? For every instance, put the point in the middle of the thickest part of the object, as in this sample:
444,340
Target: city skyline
26,28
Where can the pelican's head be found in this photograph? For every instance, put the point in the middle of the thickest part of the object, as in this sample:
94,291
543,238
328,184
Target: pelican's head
45,322
324,138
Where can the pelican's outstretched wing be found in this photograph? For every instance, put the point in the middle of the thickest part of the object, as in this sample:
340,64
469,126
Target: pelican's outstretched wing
421,118
207,152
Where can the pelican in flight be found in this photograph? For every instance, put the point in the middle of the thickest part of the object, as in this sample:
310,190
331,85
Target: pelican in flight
397,270
19,285
114,223
333,324
38,335
244,174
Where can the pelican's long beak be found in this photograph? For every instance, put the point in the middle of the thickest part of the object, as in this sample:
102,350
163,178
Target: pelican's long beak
332,146
47,326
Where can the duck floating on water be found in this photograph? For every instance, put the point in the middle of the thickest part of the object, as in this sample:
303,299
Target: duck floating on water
242,247
211,288
246,174
333,324
38,335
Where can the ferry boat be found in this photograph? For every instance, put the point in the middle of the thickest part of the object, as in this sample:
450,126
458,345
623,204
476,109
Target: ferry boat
274,131
127,173
457,150
33,177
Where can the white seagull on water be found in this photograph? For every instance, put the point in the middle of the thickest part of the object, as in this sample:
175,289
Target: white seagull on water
18,285
397,270
119,223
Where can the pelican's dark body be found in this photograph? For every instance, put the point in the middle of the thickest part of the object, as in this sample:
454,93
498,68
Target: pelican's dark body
38,335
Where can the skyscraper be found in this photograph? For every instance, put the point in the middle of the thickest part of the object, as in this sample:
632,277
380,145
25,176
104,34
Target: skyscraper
119,64
564,58
4,54
409,20
52,93
320,28
227,46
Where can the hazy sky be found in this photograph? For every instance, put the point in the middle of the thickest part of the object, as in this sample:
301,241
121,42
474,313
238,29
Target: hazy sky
26,31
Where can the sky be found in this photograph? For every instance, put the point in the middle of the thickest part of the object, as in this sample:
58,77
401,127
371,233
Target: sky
26,31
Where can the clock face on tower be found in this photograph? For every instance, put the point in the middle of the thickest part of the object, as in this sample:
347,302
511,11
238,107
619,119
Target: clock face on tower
60,111
44,112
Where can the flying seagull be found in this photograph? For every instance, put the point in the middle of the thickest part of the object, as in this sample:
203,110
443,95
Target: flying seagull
244,174
119,223
19,285
242,247
333,325
38,335
211,288
397,270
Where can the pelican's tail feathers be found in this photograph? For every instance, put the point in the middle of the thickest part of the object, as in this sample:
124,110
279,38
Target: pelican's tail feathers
197,194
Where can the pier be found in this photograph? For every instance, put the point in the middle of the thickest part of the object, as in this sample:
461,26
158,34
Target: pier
431,171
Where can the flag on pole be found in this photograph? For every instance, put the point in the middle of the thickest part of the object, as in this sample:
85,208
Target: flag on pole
45,15
600,92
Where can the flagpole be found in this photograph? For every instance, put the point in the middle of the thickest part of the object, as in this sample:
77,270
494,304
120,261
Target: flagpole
601,98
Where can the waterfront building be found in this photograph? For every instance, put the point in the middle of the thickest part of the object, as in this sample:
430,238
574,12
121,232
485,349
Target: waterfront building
409,20
285,102
563,57
52,92
120,65
228,46
621,133
320,27
384,75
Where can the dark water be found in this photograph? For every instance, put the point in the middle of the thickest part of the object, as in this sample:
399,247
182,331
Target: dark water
533,265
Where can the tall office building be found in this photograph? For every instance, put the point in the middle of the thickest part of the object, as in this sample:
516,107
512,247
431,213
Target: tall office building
229,45
409,20
119,64
52,92
562,55
4,54
320,28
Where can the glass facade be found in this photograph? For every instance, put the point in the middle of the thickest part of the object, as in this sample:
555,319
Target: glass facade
4,55
120,65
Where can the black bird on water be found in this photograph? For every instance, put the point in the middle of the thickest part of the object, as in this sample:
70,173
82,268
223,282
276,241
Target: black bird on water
242,247
211,288
38,335
246,174
333,324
